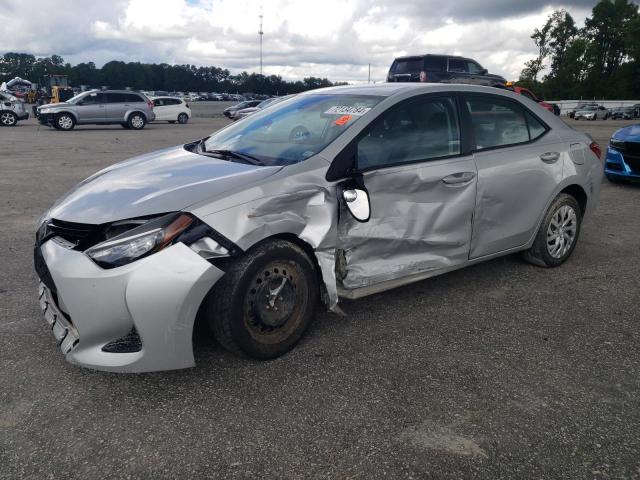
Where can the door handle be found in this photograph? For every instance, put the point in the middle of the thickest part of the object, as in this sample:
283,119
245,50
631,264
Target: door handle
458,178
550,157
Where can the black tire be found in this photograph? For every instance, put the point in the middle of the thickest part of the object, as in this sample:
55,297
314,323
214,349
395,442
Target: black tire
265,302
125,125
539,253
183,118
8,119
136,121
65,122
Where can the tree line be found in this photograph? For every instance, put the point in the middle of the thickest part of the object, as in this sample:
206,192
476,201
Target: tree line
152,76
599,61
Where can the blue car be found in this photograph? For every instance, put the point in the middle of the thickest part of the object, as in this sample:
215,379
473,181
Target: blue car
623,155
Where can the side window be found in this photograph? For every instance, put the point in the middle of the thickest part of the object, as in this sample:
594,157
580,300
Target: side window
92,99
474,68
132,98
172,101
416,130
457,65
115,97
435,64
536,129
497,122
158,102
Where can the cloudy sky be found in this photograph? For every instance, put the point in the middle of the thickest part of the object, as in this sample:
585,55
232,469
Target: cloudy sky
336,39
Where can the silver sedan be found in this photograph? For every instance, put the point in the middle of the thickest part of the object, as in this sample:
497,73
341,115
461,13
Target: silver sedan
335,193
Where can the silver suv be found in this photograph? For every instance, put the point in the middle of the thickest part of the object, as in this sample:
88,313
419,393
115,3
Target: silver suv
11,110
127,108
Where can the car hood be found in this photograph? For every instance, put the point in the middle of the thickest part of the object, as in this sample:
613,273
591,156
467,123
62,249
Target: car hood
55,105
628,134
163,181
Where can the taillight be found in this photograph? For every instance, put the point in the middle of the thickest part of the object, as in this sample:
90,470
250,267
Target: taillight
596,149
423,77
150,103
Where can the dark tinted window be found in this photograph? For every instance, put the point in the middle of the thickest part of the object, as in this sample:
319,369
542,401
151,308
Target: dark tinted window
497,122
172,101
93,98
408,65
115,97
457,65
158,102
473,67
133,98
418,129
435,63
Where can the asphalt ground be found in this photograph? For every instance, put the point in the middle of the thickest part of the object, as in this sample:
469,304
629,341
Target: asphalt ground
500,370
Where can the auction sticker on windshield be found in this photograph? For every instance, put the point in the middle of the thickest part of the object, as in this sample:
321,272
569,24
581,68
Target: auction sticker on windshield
347,110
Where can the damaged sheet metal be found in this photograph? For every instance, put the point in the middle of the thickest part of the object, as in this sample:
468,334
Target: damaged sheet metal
301,204
418,223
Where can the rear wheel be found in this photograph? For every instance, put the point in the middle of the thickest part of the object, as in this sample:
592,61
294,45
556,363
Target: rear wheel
183,118
65,121
558,233
265,302
8,119
136,121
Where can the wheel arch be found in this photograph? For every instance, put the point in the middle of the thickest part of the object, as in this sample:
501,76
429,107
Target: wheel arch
131,112
70,112
577,192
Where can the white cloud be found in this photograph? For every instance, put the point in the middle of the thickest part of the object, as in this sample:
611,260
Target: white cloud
330,38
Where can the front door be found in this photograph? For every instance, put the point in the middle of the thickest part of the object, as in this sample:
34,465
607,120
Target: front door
422,191
519,167
91,109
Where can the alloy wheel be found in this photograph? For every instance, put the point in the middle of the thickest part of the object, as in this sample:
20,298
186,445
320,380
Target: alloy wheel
65,122
562,231
8,119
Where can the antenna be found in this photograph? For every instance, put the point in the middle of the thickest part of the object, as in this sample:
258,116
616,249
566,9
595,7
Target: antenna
261,33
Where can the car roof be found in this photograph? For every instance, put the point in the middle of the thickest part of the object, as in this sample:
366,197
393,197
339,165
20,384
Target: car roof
98,90
393,88
444,55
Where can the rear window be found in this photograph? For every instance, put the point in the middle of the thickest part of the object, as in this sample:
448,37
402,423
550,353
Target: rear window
408,65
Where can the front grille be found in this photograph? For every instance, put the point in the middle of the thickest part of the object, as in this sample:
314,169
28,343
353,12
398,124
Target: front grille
633,162
633,148
82,235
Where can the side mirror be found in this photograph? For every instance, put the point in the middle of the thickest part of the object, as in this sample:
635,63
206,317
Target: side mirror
484,71
357,201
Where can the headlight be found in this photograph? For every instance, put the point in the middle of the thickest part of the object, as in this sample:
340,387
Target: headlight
138,242
617,144
45,110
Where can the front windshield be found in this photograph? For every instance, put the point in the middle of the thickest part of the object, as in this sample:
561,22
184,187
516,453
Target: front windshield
77,97
294,129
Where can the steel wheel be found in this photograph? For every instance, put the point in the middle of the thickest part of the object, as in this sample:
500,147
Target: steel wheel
8,119
562,231
276,302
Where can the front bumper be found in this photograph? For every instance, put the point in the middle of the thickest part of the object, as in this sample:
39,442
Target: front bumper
157,297
45,118
622,165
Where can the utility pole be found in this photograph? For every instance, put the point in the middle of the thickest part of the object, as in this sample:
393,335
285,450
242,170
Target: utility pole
369,79
260,33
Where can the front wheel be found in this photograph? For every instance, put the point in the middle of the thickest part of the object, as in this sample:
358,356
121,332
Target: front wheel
64,121
8,119
136,121
265,302
558,233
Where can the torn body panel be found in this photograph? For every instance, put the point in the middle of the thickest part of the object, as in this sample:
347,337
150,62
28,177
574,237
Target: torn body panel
418,223
299,202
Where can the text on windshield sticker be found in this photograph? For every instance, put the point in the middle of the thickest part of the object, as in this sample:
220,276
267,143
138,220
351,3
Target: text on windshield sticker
347,110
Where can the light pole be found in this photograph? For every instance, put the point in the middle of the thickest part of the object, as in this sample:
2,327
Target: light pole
260,32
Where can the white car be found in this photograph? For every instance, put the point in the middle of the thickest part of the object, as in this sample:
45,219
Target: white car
171,109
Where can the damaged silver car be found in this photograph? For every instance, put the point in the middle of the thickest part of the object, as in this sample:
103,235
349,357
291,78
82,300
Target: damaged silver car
340,192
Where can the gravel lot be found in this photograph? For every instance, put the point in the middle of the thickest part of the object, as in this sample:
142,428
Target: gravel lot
501,370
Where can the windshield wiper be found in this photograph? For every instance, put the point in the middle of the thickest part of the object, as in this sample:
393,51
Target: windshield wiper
250,159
